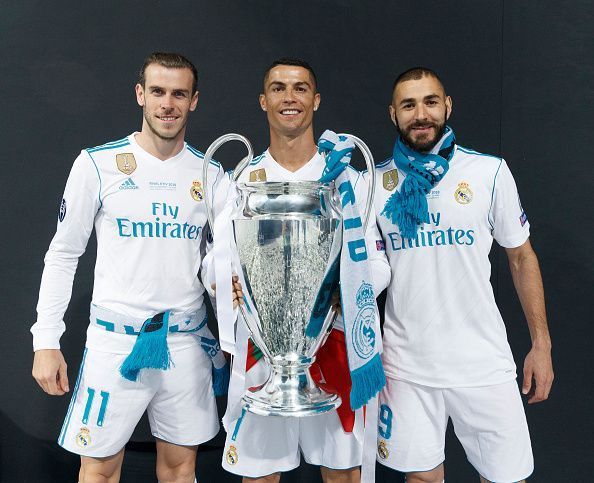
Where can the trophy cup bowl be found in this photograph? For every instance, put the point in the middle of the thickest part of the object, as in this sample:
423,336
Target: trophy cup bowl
288,237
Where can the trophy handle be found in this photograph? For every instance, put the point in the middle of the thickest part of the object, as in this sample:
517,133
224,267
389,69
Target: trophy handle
217,143
371,170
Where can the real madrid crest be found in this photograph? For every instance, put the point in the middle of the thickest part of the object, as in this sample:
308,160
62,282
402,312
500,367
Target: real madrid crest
463,193
83,438
126,163
231,455
382,450
258,175
391,179
197,191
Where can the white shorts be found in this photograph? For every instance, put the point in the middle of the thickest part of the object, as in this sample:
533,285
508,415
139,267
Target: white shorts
489,421
262,445
105,408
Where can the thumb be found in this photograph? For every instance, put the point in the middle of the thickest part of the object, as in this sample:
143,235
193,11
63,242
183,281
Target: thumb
63,378
527,383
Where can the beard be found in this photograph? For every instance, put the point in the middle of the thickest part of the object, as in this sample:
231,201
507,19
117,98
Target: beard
423,144
165,135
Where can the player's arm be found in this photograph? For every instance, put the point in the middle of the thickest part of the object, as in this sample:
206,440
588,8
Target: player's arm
75,224
511,230
538,366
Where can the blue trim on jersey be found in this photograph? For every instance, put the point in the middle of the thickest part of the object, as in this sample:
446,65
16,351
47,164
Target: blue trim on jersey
200,155
493,195
109,146
72,401
238,425
99,176
471,151
257,159
385,162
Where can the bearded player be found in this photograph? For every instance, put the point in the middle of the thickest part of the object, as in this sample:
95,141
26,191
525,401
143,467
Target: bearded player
439,206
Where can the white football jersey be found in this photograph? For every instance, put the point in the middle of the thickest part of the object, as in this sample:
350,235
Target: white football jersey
442,326
148,216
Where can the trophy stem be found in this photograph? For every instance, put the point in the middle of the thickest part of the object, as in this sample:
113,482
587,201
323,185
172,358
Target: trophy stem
290,392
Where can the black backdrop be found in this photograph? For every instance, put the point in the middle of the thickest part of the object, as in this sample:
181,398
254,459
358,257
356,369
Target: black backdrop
520,74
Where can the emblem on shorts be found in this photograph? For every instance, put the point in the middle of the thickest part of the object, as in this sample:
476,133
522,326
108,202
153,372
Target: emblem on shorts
258,175
231,455
382,450
83,438
197,191
391,179
126,163
463,193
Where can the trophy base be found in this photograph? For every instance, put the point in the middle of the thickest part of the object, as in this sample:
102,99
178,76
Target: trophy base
289,392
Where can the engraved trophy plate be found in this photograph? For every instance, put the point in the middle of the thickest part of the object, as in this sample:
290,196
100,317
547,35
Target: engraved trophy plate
288,239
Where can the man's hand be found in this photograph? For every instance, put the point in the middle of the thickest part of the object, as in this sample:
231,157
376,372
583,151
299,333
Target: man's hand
335,302
538,375
49,370
236,288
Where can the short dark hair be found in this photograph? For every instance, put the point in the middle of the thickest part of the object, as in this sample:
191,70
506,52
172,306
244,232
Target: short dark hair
169,60
296,62
416,73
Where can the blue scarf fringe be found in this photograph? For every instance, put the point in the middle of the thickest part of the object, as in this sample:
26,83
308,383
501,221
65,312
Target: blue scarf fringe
220,380
150,350
367,381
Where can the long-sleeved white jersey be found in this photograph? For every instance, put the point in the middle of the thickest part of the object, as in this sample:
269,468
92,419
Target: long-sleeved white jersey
148,216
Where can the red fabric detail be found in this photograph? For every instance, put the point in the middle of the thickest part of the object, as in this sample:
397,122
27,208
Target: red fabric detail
253,355
332,364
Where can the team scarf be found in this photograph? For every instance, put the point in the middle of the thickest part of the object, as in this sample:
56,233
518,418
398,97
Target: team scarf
349,266
150,351
408,207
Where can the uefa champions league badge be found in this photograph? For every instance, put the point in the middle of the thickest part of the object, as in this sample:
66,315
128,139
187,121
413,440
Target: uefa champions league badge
83,438
390,179
258,175
126,163
197,191
363,328
62,212
231,455
463,193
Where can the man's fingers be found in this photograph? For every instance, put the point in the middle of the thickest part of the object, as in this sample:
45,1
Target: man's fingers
527,383
63,378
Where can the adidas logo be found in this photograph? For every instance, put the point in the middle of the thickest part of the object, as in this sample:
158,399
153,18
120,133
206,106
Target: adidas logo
128,185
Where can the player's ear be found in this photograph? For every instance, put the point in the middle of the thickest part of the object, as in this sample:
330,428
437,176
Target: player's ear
317,99
262,100
139,95
448,103
194,102
392,113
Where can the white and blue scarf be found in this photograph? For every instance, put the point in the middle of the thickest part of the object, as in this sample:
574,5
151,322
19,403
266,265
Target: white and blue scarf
408,207
361,327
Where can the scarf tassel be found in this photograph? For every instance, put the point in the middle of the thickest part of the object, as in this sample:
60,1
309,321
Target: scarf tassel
367,382
150,351
220,379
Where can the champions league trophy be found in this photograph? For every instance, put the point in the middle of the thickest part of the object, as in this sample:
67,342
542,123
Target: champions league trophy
288,239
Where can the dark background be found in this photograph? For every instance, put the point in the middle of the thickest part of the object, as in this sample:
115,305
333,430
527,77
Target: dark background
521,77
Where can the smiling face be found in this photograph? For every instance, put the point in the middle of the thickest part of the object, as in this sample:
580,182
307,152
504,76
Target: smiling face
166,101
289,99
420,110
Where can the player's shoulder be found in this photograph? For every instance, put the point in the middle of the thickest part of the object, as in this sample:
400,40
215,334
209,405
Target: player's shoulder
477,156
110,146
200,155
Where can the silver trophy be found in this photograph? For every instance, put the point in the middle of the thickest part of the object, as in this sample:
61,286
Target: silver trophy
288,241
